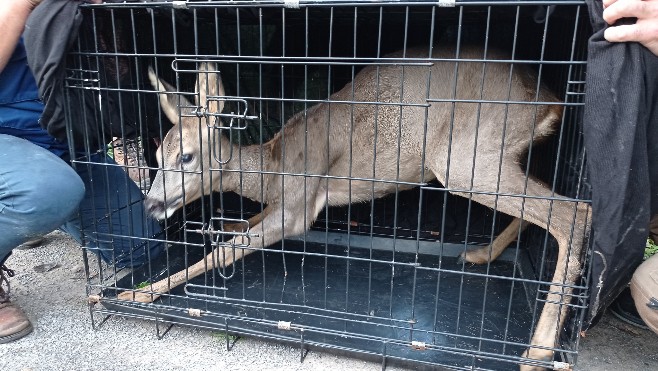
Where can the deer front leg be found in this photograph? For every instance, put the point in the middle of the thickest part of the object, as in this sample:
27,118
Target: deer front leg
219,257
176,279
491,252
239,227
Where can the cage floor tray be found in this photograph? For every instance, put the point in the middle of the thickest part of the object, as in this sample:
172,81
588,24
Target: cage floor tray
430,309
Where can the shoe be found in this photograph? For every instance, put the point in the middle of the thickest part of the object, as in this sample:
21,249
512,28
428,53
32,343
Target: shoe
624,309
14,324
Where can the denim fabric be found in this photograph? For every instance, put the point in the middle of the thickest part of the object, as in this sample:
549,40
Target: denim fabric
38,192
112,218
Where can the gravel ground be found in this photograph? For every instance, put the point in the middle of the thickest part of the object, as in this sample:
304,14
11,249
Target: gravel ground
63,338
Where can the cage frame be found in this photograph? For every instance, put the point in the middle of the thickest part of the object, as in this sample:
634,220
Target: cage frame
189,316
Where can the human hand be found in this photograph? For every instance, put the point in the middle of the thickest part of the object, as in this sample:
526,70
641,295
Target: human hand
33,3
644,30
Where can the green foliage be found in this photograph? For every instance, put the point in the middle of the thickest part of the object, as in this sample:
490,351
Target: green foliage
221,336
142,285
651,249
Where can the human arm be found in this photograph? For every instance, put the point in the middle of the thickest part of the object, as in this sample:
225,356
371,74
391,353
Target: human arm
644,30
13,14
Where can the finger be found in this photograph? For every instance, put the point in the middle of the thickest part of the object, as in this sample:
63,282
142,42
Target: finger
34,3
624,9
644,32
630,32
607,3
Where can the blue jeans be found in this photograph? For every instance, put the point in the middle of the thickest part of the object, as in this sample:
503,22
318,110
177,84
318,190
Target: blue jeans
97,204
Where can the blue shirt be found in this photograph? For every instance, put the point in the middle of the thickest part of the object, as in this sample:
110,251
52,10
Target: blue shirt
20,106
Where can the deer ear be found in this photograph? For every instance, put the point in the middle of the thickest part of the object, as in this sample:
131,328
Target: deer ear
169,99
210,86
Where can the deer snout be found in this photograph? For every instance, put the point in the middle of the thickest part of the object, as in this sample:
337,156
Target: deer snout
156,208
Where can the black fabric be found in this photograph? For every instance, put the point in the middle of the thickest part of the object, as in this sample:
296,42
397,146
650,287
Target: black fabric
95,113
621,141
49,34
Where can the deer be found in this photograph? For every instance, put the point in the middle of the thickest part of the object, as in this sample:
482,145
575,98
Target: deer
444,120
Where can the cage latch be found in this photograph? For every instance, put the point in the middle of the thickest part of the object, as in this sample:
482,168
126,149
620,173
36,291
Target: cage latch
418,345
220,226
238,229
231,121
225,121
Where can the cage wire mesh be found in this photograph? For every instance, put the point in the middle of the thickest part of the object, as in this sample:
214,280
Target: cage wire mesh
256,99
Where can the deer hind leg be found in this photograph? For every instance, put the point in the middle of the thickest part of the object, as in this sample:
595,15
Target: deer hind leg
491,252
568,269
563,220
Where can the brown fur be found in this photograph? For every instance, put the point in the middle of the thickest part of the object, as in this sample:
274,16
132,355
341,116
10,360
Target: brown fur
348,153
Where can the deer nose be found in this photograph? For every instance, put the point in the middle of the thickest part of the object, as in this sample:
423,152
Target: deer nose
154,207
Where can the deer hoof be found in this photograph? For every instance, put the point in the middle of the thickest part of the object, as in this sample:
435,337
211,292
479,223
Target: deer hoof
474,256
542,355
137,296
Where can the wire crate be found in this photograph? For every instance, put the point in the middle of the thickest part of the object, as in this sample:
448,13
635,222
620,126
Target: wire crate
350,240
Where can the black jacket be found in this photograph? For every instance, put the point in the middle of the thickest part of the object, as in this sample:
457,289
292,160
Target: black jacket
98,111
49,34
621,141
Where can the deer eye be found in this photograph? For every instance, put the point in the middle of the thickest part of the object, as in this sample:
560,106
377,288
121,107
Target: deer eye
186,158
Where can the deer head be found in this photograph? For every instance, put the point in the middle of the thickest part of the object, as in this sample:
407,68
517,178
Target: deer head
186,154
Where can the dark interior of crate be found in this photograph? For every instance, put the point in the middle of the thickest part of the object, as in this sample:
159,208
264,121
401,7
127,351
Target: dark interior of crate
352,287
332,297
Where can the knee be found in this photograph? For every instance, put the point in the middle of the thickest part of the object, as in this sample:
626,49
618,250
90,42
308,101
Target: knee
57,194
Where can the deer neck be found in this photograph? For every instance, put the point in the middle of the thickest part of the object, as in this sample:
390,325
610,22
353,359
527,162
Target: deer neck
242,172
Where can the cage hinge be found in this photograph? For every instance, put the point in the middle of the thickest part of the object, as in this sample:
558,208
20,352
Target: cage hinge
418,345
179,4
194,312
561,366
284,325
93,299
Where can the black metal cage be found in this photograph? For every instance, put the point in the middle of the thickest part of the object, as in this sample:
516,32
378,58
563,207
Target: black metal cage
380,275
